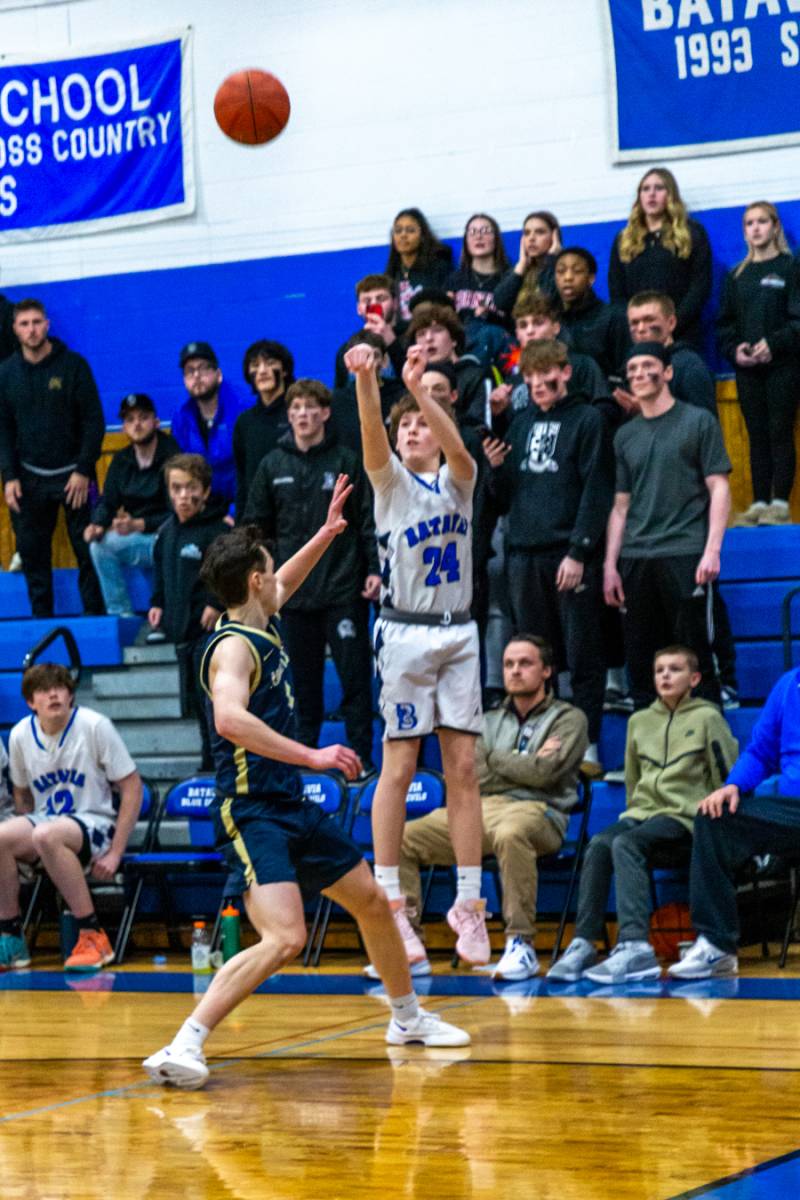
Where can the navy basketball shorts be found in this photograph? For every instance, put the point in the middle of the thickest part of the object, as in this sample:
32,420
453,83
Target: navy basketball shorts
282,841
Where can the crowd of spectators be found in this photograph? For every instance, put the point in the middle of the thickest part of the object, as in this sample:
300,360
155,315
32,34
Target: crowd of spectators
602,497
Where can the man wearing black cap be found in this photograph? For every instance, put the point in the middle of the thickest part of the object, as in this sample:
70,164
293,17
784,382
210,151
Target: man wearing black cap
204,422
665,532
134,502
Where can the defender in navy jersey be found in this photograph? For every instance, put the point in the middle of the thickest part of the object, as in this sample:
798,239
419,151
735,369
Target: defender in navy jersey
280,841
426,642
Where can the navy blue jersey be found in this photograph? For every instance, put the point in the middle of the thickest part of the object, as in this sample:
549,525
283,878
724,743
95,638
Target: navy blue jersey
239,771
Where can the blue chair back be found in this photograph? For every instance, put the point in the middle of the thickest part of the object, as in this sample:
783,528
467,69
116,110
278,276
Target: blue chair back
327,791
189,803
426,792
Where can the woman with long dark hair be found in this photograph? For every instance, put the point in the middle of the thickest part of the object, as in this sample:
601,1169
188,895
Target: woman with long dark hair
482,265
417,259
759,331
661,249
533,272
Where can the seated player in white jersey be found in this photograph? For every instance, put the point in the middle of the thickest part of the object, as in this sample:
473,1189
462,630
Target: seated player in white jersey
64,761
426,642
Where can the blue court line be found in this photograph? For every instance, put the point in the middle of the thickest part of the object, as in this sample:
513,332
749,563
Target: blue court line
775,1179
277,1052
477,985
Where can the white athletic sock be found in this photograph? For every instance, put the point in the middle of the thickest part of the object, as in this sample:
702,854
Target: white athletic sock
469,884
389,879
405,1008
191,1034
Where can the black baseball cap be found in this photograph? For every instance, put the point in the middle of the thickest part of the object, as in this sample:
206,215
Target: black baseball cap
198,350
133,401
649,350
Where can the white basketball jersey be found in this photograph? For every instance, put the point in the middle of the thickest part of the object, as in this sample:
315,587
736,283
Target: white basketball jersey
424,529
72,771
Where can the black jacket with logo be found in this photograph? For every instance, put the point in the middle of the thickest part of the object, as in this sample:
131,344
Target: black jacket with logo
289,499
178,551
557,483
141,491
50,413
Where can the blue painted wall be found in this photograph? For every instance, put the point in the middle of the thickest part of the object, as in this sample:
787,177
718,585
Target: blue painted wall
131,326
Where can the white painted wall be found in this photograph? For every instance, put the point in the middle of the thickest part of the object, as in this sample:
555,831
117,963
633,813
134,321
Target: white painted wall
451,105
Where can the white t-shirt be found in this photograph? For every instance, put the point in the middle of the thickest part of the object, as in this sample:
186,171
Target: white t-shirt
6,799
424,530
71,772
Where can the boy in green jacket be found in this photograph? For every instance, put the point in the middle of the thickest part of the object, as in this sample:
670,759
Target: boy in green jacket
678,750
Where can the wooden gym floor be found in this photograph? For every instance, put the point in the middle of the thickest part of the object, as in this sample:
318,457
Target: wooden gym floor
570,1093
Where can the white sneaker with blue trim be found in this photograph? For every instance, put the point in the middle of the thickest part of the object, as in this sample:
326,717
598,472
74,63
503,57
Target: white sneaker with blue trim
519,960
704,961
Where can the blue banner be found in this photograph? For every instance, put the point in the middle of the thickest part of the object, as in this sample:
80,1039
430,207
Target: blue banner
95,141
704,76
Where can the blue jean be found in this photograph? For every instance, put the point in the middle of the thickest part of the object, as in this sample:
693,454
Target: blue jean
110,555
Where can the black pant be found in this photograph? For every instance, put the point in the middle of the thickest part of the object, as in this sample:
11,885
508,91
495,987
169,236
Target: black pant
571,622
34,525
663,605
189,655
345,628
768,397
760,825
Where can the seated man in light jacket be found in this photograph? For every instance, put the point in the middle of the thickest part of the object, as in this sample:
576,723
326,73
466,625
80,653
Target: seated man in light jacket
528,757
676,751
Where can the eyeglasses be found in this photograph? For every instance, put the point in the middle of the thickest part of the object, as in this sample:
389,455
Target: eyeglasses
480,230
200,369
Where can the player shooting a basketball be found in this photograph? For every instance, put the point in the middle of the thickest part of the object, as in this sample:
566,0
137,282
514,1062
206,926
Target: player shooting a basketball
426,642
277,841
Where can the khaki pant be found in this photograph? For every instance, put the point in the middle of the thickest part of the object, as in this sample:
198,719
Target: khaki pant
515,831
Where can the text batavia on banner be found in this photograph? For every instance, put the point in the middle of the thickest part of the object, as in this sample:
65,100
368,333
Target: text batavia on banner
96,141
703,76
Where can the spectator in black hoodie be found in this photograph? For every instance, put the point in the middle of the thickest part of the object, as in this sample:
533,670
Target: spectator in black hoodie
268,368
591,326
556,485
662,249
51,434
134,503
292,487
437,329
417,259
759,331
181,606
376,306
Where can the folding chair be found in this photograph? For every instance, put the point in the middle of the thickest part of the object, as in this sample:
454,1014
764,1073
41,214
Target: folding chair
182,845
565,865
330,792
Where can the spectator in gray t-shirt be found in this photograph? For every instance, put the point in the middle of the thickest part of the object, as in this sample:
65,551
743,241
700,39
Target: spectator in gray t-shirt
666,528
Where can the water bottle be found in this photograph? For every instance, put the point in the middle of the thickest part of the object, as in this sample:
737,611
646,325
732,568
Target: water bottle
201,947
231,932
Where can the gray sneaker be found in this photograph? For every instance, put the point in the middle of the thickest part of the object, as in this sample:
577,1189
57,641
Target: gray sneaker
578,955
628,962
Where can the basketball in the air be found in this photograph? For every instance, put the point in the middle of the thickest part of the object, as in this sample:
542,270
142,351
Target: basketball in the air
252,107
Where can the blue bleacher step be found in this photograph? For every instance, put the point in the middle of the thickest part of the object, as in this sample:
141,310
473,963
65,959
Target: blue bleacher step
164,652
759,665
771,552
156,680
133,708
755,608
66,596
160,737
168,767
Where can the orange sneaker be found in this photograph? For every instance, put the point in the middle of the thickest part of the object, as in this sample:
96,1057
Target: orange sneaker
92,951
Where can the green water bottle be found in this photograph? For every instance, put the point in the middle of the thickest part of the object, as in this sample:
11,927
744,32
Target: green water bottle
231,932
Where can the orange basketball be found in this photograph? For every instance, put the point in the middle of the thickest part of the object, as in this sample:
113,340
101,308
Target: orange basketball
252,107
669,925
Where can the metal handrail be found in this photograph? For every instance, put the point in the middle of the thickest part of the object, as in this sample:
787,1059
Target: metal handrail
62,631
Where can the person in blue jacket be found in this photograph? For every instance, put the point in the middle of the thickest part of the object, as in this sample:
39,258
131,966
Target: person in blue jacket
204,422
733,824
